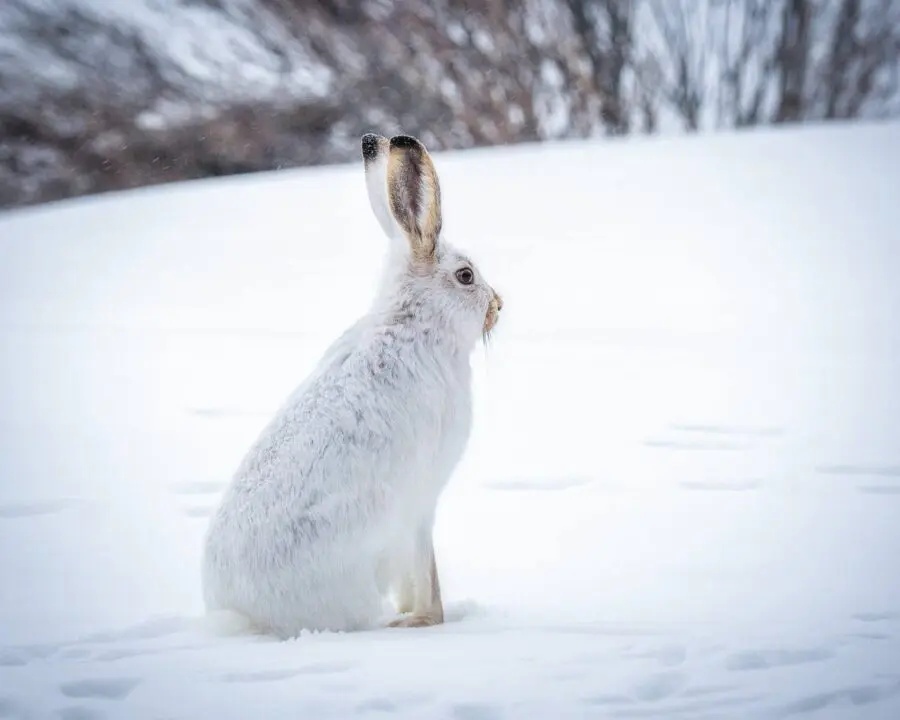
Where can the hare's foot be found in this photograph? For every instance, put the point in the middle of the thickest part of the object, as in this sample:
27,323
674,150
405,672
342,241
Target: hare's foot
417,620
420,590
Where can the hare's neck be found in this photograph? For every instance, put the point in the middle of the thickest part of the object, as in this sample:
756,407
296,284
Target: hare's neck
413,318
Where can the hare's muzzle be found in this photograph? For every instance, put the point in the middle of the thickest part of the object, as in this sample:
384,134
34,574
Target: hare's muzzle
493,313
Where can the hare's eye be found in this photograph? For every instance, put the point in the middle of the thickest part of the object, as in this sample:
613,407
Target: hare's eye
465,276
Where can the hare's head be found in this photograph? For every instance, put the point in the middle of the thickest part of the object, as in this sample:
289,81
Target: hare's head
406,198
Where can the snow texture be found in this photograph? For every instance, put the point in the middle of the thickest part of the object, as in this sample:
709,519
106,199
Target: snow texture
682,494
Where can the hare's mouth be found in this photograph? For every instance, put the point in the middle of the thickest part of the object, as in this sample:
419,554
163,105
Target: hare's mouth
493,314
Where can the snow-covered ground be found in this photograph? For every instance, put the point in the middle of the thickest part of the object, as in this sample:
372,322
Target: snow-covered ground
681,499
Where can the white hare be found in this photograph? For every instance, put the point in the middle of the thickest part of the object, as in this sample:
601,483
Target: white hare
332,509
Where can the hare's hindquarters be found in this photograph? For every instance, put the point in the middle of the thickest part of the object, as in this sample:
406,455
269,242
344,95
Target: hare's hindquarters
324,588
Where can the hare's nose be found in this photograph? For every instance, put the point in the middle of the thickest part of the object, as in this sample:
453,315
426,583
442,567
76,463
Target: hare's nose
499,301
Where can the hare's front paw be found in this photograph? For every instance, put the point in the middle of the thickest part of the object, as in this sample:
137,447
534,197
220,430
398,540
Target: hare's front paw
416,621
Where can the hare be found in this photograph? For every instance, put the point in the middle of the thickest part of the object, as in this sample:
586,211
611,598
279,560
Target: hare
332,509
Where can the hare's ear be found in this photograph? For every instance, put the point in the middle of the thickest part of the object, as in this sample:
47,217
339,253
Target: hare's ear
375,151
414,195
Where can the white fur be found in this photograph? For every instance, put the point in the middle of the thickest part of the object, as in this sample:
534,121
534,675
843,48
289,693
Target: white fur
333,506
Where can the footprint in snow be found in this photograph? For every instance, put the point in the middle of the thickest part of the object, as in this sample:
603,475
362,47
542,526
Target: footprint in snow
710,437
699,691
732,430
151,629
10,709
22,655
879,489
15,511
608,700
853,696
872,617
707,708
100,688
766,659
377,705
659,686
117,654
475,711
861,469
74,653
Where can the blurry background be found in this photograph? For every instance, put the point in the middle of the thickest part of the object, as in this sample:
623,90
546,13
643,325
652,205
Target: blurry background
99,95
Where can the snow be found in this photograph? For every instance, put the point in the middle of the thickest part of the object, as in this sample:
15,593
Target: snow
681,498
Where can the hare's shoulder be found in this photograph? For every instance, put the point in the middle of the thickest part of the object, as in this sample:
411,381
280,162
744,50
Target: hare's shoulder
334,412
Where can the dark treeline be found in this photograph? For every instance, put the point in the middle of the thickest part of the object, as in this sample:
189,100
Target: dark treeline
92,101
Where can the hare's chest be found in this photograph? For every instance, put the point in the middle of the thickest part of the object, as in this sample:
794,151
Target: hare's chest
455,425
456,420
441,443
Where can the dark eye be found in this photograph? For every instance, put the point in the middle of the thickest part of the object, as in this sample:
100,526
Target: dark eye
465,276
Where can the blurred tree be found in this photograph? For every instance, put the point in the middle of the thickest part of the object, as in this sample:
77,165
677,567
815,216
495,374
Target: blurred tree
792,60
97,96
860,70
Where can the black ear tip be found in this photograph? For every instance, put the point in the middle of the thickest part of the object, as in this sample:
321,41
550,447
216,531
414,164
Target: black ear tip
370,142
406,142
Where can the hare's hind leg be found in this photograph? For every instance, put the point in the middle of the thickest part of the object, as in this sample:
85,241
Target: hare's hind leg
422,588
